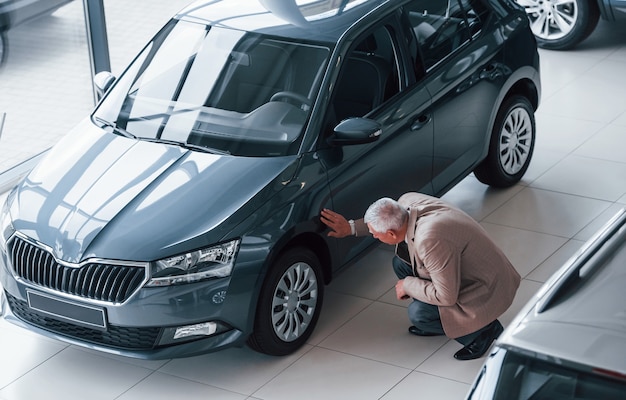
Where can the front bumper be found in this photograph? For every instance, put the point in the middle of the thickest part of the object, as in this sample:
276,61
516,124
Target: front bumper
151,341
132,342
153,323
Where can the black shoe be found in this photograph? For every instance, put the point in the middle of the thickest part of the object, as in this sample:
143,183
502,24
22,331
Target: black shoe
481,344
417,331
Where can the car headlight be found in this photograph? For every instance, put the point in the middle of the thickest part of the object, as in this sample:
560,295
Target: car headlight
212,262
6,227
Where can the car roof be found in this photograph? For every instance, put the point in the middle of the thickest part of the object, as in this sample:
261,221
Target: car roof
322,20
579,315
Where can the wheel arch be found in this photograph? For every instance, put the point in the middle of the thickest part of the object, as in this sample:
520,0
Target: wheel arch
524,86
258,337
309,240
508,160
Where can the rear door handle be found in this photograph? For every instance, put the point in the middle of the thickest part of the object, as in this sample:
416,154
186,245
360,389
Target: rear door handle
419,122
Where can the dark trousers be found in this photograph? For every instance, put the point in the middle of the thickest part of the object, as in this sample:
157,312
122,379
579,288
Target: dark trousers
426,316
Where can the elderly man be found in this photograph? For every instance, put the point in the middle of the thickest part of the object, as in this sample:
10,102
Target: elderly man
459,280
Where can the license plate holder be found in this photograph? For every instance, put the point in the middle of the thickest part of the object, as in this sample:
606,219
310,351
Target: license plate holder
69,311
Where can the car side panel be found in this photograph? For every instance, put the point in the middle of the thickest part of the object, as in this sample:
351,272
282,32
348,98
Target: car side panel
462,109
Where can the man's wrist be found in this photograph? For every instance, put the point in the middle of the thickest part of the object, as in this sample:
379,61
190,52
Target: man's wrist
352,227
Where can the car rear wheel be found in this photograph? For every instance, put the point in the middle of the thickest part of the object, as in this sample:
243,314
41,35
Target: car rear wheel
561,24
512,144
289,303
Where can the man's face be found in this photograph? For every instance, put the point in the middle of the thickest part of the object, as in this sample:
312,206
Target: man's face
388,237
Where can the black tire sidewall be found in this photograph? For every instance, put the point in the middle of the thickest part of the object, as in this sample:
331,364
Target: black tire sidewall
264,338
490,171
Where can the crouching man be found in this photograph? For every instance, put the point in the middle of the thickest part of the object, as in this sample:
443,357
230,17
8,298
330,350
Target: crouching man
459,281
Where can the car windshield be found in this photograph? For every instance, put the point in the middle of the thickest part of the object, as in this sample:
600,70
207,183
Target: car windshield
519,377
217,89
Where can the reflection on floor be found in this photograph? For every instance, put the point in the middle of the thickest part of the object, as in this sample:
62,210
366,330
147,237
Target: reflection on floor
361,348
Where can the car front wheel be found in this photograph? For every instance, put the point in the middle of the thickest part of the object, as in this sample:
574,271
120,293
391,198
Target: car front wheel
561,24
511,146
289,303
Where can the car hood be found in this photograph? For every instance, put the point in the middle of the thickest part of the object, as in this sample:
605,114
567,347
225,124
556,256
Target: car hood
96,194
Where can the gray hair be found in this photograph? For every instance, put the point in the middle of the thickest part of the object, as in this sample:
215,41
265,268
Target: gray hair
385,214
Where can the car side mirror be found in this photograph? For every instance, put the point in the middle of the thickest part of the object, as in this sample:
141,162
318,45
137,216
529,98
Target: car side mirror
103,81
355,131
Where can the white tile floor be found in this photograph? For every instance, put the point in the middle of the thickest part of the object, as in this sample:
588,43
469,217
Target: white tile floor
361,349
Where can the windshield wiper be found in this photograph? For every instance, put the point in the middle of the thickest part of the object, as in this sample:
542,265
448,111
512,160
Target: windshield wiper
115,128
211,150
189,146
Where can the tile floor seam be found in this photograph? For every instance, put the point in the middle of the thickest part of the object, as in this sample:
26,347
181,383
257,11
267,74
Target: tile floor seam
365,358
508,201
395,385
311,347
33,368
135,384
184,379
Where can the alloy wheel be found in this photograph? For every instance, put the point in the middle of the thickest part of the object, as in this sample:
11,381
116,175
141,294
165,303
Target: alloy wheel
515,140
294,302
551,19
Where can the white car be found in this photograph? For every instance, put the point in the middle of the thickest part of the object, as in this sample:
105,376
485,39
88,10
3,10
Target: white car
569,341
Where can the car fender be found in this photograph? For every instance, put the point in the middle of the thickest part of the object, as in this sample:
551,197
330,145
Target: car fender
524,81
289,218
258,255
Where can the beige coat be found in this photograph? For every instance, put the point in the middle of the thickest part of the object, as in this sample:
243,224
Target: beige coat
457,266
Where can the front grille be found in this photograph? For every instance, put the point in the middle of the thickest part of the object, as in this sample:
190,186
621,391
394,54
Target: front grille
114,336
97,281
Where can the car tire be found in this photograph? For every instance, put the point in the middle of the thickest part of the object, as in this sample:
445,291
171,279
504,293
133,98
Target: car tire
4,47
581,18
511,145
283,322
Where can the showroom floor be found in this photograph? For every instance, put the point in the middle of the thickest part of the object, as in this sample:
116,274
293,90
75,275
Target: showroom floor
361,348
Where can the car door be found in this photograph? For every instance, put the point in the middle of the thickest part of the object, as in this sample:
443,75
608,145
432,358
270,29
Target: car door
463,76
401,159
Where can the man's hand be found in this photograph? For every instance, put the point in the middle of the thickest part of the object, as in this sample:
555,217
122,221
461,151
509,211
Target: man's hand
339,226
400,293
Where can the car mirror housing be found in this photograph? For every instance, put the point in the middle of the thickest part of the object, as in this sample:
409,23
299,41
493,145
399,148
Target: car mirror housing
355,131
103,81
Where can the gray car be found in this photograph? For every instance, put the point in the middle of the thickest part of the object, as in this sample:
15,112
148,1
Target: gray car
563,24
569,341
16,12
182,216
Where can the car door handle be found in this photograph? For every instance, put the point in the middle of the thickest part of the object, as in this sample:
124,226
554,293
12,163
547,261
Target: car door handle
493,71
419,122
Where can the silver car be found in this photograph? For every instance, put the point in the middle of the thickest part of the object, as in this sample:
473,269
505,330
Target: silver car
569,341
